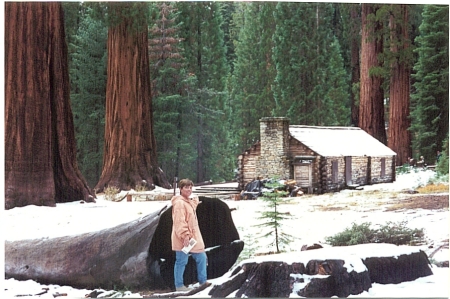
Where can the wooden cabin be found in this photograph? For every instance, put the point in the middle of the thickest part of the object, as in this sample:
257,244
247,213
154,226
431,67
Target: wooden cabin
319,159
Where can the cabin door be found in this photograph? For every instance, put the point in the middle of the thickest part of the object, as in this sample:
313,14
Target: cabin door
303,175
348,171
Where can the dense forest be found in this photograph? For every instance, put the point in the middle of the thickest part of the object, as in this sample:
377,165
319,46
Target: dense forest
160,90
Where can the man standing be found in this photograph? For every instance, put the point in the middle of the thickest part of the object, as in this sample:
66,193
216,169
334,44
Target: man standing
185,227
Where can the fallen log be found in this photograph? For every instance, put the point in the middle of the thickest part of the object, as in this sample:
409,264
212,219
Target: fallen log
326,272
135,255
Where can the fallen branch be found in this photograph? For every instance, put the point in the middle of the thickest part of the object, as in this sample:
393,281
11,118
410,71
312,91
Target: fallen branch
45,290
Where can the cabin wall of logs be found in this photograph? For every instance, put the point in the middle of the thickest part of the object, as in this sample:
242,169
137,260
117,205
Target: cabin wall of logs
278,153
248,164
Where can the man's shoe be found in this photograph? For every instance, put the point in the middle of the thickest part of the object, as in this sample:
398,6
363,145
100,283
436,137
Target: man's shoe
183,289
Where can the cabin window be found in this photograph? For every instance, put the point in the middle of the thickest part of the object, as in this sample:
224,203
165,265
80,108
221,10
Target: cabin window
383,167
334,171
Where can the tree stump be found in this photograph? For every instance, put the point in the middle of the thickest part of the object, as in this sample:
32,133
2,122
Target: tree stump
387,270
327,272
135,255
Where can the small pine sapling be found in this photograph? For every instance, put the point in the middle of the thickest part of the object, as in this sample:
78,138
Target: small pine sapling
272,217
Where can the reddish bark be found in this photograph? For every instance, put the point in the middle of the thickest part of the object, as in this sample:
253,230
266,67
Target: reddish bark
371,108
40,147
399,137
130,155
355,47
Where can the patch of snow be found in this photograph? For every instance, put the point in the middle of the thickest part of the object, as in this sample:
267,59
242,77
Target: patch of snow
309,224
301,281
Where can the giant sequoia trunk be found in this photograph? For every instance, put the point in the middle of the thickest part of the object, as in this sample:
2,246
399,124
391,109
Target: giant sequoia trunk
371,107
135,255
40,154
399,139
130,156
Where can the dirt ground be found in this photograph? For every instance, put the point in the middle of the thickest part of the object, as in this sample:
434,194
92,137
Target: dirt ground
421,201
387,201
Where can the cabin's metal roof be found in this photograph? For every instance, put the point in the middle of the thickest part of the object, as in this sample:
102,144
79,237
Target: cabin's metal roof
339,141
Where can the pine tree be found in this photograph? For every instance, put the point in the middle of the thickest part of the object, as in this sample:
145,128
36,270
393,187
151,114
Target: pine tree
72,13
304,45
88,87
254,73
348,22
273,218
170,87
205,55
228,9
429,115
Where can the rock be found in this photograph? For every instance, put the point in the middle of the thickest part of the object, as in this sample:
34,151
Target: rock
311,247
410,191
95,293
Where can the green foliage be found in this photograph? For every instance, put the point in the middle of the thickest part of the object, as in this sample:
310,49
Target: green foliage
399,234
393,233
405,168
356,234
429,102
273,218
228,9
88,89
443,164
135,14
311,85
251,83
230,64
207,126
170,88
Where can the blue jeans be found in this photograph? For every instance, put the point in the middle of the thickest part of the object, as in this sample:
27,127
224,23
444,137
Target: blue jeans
181,262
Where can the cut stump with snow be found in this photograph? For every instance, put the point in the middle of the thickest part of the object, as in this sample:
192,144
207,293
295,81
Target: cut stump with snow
327,272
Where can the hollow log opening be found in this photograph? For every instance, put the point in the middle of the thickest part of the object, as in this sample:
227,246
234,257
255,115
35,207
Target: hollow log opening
221,242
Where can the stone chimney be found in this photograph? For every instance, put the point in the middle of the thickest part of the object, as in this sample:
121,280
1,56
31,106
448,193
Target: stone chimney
273,162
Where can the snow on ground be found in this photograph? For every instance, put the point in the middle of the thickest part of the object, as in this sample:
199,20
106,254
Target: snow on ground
309,223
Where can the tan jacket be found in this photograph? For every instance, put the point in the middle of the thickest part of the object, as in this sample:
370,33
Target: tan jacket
185,223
